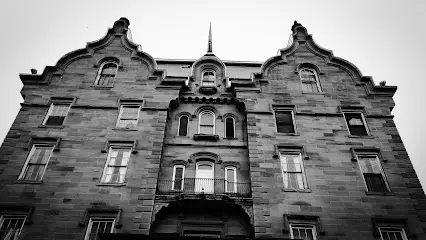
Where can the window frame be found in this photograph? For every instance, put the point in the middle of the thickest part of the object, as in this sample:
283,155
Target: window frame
293,119
235,179
287,152
364,122
3,216
233,126
90,225
98,75
179,125
174,176
24,169
401,230
103,176
305,226
317,80
382,173
203,80
214,121
50,110
120,114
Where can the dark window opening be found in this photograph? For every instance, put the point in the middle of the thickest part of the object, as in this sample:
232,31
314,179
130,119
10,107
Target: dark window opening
183,126
356,124
284,120
229,126
375,182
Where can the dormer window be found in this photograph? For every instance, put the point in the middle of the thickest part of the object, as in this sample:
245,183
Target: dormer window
106,74
310,81
208,78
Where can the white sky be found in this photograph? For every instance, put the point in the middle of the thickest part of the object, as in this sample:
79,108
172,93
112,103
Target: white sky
384,39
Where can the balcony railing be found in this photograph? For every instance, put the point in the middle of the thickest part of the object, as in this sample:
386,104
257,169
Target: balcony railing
203,185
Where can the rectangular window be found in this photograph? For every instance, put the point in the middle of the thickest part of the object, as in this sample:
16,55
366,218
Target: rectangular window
56,114
373,173
303,231
230,180
128,116
116,165
11,225
284,121
178,177
99,225
356,123
293,170
391,233
36,163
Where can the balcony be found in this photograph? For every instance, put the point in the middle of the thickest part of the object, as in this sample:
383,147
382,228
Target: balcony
203,186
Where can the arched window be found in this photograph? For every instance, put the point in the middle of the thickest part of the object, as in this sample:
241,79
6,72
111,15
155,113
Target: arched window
230,180
206,122
208,78
183,126
178,177
106,74
309,79
229,127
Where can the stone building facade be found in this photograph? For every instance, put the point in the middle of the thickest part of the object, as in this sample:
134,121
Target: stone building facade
111,143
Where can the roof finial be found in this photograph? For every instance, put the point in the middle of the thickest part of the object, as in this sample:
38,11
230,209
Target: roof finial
210,44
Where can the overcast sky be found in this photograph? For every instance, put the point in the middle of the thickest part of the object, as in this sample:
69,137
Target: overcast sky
384,39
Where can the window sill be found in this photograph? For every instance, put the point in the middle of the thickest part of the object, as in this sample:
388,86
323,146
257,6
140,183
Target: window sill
111,184
230,138
125,129
314,93
356,136
297,190
101,87
51,126
208,90
206,137
28,182
288,134
380,193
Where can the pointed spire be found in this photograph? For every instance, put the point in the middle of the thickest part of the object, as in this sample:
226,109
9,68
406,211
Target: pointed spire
210,44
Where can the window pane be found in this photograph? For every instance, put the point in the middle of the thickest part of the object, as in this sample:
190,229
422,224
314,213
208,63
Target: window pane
109,69
130,112
34,172
355,124
116,166
59,110
204,167
99,225
284,122
369,164
11,222
206,129
55,120
41,155
183,126
229,125
178,178
206,119
230,174
303,232
375,182
309,87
